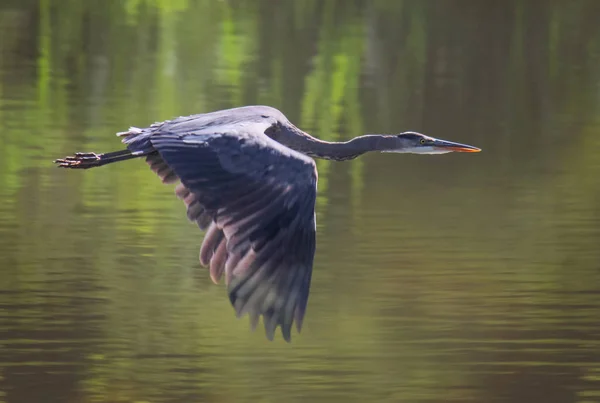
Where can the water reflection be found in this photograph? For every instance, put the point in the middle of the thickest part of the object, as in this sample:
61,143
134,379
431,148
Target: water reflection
436,278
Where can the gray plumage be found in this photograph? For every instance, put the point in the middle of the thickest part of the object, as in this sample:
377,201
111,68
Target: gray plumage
245,177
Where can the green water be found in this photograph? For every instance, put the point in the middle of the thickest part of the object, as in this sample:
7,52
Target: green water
460,277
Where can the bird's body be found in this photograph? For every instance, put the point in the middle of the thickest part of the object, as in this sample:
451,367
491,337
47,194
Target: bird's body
246,177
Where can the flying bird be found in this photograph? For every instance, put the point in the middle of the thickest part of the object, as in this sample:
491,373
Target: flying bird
247,178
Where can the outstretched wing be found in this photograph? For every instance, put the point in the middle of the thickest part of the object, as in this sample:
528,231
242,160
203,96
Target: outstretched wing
256,197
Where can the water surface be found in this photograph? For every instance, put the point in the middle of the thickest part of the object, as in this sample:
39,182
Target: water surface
472,277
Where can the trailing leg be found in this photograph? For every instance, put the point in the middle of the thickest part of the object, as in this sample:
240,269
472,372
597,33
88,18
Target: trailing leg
92,160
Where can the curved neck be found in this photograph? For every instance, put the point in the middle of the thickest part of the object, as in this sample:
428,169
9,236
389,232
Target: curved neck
338,151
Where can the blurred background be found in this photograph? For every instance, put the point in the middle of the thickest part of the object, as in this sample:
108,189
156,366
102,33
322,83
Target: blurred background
461,277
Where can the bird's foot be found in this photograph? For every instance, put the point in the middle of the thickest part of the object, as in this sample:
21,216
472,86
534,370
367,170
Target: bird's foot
79,160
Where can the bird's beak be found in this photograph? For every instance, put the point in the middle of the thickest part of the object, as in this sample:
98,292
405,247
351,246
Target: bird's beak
451,146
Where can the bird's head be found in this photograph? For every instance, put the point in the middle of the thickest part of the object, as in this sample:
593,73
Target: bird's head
417,143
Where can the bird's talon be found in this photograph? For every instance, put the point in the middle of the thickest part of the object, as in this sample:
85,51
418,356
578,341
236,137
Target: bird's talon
74,161
79,160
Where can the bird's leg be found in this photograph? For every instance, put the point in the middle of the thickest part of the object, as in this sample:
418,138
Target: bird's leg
91,160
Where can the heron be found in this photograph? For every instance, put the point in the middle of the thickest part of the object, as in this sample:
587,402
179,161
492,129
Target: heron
248,179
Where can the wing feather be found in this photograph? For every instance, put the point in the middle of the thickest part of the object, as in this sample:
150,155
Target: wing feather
217,262
256,198
212,239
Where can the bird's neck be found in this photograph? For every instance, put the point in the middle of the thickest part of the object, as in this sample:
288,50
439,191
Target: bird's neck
337,151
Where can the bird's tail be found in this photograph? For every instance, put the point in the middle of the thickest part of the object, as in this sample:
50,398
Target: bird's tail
92,160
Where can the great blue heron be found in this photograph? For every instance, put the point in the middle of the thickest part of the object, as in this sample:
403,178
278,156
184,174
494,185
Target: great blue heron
246,178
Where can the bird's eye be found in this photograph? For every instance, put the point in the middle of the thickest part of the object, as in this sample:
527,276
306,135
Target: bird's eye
422,141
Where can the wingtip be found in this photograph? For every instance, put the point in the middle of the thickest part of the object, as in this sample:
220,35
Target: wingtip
286,332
